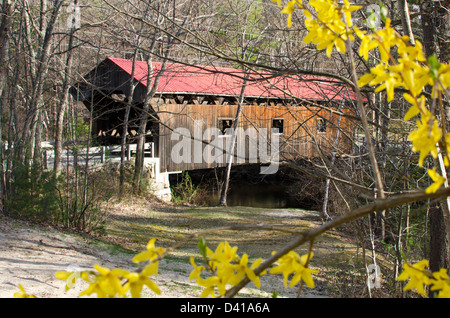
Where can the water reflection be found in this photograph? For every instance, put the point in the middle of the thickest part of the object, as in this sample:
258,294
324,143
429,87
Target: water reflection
261,195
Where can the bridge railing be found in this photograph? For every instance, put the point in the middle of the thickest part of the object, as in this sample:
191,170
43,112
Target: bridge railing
96,155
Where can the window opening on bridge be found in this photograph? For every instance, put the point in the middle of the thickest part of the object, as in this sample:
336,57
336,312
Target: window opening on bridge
278,123
225,125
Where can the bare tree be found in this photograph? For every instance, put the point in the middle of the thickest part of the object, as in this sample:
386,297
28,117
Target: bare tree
439,216
62,107
5,25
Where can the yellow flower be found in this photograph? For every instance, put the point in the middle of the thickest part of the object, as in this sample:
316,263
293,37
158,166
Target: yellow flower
136,282
195,273
227,267
293,263
330,28
366,79
418,105
117,282
408,71
95,288
444,76
387,79
425,138
303,273
417,276
368,43
445,291
211,283
107,283
411,52
22,293
438,181
222,264
441,282
223,253
150,254
243,269
447,149
289,9
69,277
347,9
389,39
256,280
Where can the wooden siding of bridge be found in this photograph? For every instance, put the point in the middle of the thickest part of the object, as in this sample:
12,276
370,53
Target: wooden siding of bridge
300,136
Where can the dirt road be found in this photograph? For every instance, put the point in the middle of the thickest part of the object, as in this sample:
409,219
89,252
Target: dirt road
31,256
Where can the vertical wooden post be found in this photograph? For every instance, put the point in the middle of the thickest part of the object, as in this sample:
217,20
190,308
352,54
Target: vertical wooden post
128,152
102,154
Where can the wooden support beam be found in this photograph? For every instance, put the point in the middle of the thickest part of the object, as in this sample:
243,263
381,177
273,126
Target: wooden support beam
200,99
180,99
102,154
219,101
128,152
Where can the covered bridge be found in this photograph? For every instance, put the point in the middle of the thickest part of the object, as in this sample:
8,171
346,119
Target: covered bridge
195,106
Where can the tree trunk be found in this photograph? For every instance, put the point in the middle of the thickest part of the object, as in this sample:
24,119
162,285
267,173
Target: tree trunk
129,103
230,151
151,90
439,218
428,27
63,104
325,216
443,38
438,240
5,24
39,65
406,20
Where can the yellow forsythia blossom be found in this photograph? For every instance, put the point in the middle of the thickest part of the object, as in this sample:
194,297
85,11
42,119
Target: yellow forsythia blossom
224,253
384,77
419,277
438,180
195,273
292,263
150,254
416,275
22,293
136,282
426,137
117,282
289,9
412,72
408,71
441,282
444,76
106,283
227,270
330,28
417,106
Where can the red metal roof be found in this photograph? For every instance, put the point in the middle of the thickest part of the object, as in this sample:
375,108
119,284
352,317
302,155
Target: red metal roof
220,81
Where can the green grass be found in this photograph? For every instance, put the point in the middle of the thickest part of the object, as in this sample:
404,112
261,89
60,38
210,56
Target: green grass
132,227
